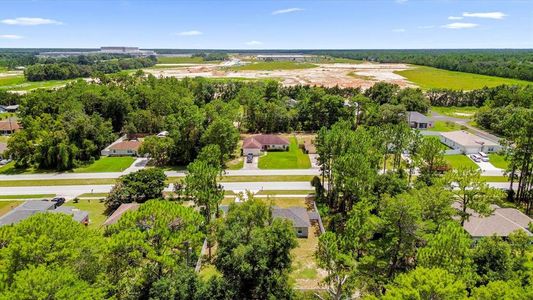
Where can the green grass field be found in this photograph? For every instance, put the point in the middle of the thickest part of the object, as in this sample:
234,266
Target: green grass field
235,164
498,161
6,206
95,208
463,112
427,78
292,159
443,126
19,83
180,60
274,65
460,161
107,164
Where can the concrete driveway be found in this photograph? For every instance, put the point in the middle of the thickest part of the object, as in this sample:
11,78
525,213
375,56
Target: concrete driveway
251,166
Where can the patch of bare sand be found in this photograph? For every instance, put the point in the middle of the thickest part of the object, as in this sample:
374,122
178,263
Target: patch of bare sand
328,75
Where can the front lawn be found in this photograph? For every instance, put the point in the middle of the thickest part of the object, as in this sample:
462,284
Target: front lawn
460,161
235,164
498,161
107,164
292,159
6,206
443,126
95,208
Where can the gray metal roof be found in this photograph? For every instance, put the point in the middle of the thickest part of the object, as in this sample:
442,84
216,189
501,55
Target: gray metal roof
414,116
15,216
29,208
77,215
502,222
298,215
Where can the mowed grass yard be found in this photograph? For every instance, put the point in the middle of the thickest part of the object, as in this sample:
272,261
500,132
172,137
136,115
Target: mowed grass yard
442,126
428,78
498,161
463,112
460,161
273,65
95,208
6,206
292,159
19,83
107,164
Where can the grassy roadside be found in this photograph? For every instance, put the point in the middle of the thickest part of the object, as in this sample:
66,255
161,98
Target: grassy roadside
31,196
6,206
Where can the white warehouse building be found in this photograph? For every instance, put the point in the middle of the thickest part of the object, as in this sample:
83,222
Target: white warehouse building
468,143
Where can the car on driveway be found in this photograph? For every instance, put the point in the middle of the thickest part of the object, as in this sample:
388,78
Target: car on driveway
249,158
475,157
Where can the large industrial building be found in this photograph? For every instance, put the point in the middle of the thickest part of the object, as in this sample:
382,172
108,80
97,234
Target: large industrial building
130,51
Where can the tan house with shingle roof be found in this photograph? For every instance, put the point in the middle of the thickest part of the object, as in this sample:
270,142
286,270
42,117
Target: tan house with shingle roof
122,147
9,126
264,142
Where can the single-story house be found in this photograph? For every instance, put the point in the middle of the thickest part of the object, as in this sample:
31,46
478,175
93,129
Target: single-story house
31,207
79,216
501,223
298,216
9,126
121,210
122,147
9,108
264,142
468,143
419,121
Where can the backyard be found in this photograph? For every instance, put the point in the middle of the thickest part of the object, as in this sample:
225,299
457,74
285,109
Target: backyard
442,126
460,161
305,272
292,159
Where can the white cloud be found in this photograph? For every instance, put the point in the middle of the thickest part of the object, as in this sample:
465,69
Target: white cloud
460,25
498,15
399,30
190,33
454,18
254,43
426,27
30,21
10,37
287,10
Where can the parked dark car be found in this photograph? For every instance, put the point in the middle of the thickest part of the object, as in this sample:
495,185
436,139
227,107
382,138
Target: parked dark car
59,201
249,158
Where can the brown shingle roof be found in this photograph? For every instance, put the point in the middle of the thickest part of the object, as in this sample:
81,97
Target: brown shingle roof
8,125
257,141
126,145
117,214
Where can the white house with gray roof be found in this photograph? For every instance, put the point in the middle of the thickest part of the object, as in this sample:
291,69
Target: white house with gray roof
419,121
468,143
298,216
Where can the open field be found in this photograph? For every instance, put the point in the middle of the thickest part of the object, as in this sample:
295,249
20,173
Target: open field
428,78
6,206
460,161
463,112
274,65
324,74
292,159
19,83
498,161
95,208
443,126
107,164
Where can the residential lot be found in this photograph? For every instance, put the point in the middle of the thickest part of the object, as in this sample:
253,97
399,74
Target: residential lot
107,164
292,159
460,161
95,208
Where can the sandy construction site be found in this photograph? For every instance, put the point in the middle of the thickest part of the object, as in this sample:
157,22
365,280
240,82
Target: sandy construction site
361,75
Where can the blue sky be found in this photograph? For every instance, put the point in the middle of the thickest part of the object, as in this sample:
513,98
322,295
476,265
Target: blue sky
262,24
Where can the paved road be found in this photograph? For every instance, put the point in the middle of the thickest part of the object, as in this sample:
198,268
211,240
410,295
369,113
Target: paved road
257,172
71,191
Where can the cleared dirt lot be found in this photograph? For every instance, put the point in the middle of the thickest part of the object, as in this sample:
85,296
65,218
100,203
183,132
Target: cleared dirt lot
362,75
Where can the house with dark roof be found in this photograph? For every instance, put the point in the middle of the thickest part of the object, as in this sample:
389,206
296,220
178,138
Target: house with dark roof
119,212
298,216
501,223
31,207
418,121
264,142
